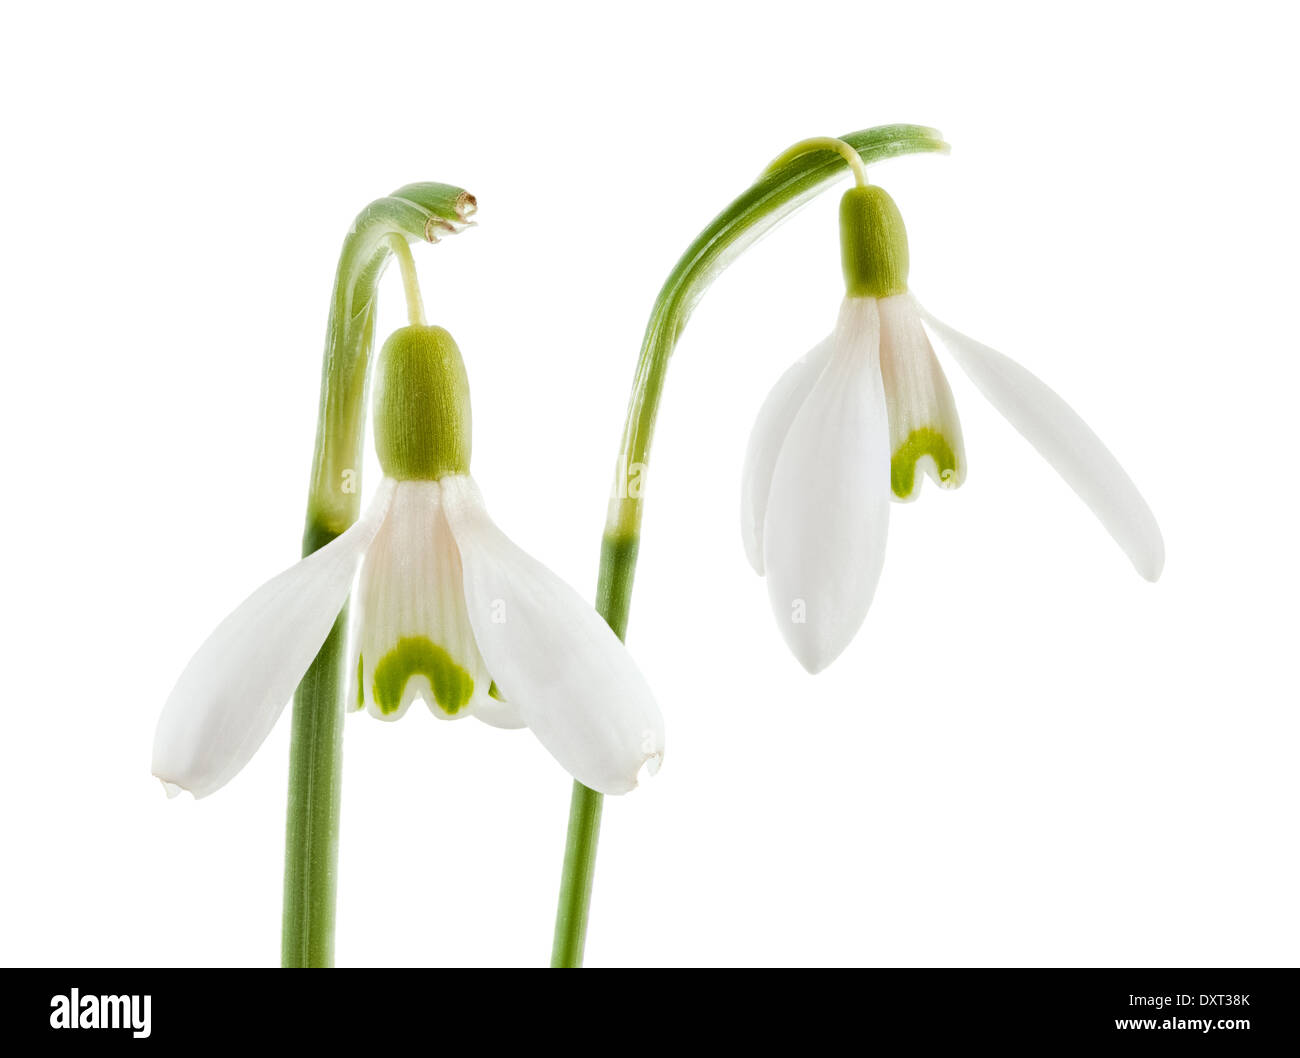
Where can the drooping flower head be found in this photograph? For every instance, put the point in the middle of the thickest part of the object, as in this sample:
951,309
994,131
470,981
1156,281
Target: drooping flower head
864,416
450,612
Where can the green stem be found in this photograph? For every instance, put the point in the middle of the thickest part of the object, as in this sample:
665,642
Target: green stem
579,870
794,178
410,281
417,211
613,600
312,834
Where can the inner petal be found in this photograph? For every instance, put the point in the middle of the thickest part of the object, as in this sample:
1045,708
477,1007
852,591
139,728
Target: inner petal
924,429
414,639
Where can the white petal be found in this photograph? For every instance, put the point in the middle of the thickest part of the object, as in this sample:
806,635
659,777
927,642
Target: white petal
413,636
496,712
234,689
552,655
828,513
1065,441
765,441
924,431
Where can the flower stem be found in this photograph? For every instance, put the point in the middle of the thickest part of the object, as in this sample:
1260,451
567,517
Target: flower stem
312,833
824,143
421,211
579,871
410,280
613,600
791,180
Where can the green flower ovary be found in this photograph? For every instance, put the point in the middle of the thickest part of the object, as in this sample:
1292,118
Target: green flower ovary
422,412
920,443
873,244
420,656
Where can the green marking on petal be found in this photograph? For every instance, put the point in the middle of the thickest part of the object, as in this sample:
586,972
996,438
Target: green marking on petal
495,692
361,684
920,443
420,656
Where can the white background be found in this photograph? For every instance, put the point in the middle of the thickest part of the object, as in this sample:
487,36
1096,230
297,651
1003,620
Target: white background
1028,756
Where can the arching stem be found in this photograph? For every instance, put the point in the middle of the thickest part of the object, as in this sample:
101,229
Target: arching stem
795,177
823,143
410,280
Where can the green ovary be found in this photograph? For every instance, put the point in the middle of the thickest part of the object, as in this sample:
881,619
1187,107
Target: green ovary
919,444
420,656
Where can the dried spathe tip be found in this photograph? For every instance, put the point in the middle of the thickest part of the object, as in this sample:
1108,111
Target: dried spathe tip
436,227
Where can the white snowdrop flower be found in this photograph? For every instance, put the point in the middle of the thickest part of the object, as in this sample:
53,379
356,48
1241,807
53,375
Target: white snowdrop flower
449,611
849,427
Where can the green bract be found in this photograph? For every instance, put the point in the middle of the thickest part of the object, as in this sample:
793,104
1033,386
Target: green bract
422,412
873,244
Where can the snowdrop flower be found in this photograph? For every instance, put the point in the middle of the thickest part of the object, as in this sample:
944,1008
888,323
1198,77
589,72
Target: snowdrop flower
855,423
449,611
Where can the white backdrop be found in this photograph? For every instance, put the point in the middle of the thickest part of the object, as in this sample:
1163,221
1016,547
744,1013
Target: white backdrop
1028,756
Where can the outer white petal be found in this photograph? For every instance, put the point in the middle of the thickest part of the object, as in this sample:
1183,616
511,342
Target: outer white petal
924,430
828,513
1065,441
765,441
413,634
552,655
234,689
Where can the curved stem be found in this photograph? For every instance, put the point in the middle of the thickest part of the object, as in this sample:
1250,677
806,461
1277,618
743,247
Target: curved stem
422,211
410,280
417,211
823,143
785,185
764,204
